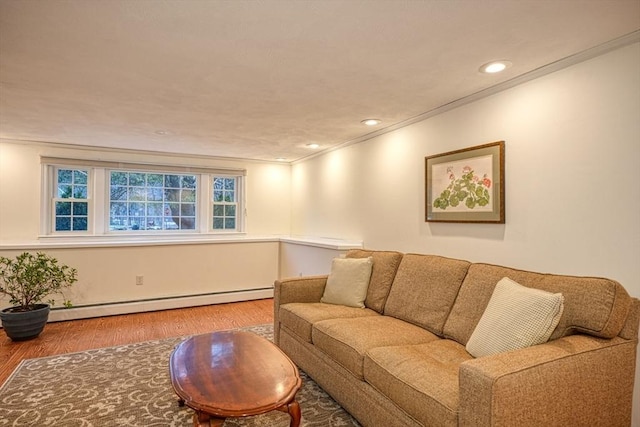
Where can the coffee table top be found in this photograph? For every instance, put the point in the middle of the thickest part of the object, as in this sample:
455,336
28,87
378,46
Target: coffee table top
233,374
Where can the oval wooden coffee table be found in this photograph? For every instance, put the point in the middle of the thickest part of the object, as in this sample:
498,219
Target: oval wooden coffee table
233,374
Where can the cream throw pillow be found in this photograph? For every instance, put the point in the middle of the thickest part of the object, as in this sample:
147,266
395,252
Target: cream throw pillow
516,317
348,281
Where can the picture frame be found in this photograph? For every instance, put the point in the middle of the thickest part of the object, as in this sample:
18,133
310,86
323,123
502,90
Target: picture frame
466,185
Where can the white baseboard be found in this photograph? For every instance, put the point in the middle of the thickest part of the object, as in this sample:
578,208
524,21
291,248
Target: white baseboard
155,305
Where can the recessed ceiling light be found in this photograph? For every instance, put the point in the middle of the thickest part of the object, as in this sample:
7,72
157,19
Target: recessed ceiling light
281,159
313,145
495,67
371,122
162,132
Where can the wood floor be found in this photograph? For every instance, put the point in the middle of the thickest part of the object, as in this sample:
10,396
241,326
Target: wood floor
85,334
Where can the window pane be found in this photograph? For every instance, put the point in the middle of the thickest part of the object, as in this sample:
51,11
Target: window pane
229,223
80,192
155,194
65,176
63,223
230,210
119,193
172,195
80,224
138,194
218,210
229,196
154,223
155,180
187,223
118,209
174,209
119,178
218,223
118,223
188,196
80,208
63,208
218,183
80,177
137,179
188,182
65,191
188,209
229,184
136,209
172,181
170,224
154,209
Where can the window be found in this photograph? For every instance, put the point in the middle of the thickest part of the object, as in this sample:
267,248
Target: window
71,201
107,198
225,203
152,201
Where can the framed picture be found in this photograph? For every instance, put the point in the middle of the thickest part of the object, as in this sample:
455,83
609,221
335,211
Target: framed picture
466,185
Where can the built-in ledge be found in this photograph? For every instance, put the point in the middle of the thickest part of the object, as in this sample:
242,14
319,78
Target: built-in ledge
97,242
318,242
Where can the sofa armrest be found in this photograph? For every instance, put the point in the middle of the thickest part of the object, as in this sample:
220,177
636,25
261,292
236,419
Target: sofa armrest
296,289
577,380
299,289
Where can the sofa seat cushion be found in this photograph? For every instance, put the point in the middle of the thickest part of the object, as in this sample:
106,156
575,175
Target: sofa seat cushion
346,341
300,317
421,379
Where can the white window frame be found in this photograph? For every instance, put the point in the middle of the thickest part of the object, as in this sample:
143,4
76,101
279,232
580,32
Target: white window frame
239,197
98,197
50,186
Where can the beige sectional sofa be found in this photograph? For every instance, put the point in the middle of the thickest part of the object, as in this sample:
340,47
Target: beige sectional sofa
402,360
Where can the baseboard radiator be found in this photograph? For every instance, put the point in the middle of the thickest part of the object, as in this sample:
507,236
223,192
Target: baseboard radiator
128,307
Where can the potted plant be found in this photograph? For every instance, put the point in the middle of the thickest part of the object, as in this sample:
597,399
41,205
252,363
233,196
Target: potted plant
27,280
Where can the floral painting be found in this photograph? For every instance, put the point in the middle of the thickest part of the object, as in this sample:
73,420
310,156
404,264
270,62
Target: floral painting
466,185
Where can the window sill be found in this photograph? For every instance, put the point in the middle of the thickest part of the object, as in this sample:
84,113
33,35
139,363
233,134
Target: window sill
57,242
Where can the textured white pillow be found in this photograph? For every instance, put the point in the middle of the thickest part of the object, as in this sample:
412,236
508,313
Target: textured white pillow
516,317
348,281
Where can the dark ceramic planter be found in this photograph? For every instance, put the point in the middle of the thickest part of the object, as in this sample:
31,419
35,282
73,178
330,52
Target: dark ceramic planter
24,325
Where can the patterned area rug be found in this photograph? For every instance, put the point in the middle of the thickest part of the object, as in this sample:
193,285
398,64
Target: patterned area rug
130,386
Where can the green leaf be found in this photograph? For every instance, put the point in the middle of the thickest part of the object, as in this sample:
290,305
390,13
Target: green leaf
470,203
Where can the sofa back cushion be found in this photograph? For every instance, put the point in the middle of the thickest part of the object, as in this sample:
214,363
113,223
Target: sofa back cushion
385,265
591,305
424,290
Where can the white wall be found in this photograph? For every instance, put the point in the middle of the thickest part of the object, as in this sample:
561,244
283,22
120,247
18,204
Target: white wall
572,193
267,202
303,260
572,178
107,274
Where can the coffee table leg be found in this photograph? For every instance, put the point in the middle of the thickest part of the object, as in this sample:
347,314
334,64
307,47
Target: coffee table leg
201,419
293,409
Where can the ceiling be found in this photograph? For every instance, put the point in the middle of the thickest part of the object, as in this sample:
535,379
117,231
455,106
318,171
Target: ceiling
263,79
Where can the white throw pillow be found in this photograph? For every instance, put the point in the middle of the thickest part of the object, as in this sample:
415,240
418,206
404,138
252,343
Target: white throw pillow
516,317
348,281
